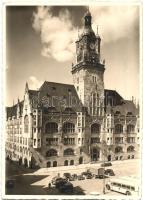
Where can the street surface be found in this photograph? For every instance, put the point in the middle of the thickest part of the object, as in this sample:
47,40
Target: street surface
28,182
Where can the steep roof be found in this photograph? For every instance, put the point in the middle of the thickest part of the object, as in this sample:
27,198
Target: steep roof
60,96
12,111
126,107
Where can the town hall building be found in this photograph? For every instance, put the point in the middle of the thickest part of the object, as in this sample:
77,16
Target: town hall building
62,124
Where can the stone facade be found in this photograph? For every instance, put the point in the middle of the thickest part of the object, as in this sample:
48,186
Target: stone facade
62,124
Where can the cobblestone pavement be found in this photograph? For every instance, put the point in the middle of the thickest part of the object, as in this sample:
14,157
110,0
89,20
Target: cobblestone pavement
121,168
37,182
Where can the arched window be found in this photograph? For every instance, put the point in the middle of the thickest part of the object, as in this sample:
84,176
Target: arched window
118,150
130,149
68,127
66,163
130,128
72,162
51,127
51,152
55,164
48,164
68,152
95,128
118,128
26,124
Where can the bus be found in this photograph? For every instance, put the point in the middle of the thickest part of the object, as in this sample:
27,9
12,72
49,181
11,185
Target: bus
125,185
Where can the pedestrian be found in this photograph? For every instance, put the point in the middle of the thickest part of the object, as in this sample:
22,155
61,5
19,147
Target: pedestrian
49,185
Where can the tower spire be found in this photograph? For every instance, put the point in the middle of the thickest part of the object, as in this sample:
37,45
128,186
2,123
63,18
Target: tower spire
87,18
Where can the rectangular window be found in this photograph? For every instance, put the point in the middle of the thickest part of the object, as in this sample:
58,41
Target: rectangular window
78,140
82,140
34,142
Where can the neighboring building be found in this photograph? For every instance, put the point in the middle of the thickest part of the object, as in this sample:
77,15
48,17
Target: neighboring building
62,124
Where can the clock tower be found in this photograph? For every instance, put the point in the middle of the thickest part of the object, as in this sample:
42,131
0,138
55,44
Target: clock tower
88,70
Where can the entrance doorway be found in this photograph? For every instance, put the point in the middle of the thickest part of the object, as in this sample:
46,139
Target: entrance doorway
109,157
81,160
94,154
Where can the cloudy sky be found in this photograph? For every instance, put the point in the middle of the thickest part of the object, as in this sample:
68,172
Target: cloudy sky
40,45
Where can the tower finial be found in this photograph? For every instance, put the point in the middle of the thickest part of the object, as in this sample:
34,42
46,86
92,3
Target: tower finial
88,8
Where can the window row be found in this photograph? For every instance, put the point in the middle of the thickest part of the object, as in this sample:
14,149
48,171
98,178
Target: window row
51,141
52,127
53,152
54,163
69,141
119,128
120,149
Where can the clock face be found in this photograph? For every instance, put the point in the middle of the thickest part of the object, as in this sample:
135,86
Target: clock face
92,45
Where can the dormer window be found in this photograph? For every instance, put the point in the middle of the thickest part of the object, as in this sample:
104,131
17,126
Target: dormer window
94,79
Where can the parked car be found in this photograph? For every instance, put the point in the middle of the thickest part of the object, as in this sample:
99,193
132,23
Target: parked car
55,180
81,177
106,164
67,175
86,173
101,173
75,176
101,176
109,172
89,176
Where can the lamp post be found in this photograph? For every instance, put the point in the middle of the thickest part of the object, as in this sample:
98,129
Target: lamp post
103,150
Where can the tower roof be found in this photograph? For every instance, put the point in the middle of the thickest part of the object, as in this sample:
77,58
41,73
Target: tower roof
88,13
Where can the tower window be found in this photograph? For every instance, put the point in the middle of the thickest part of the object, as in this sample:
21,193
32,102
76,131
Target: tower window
94,79
77,88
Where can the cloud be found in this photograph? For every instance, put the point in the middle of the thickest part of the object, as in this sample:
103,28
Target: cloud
115,22
34,83
57,33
